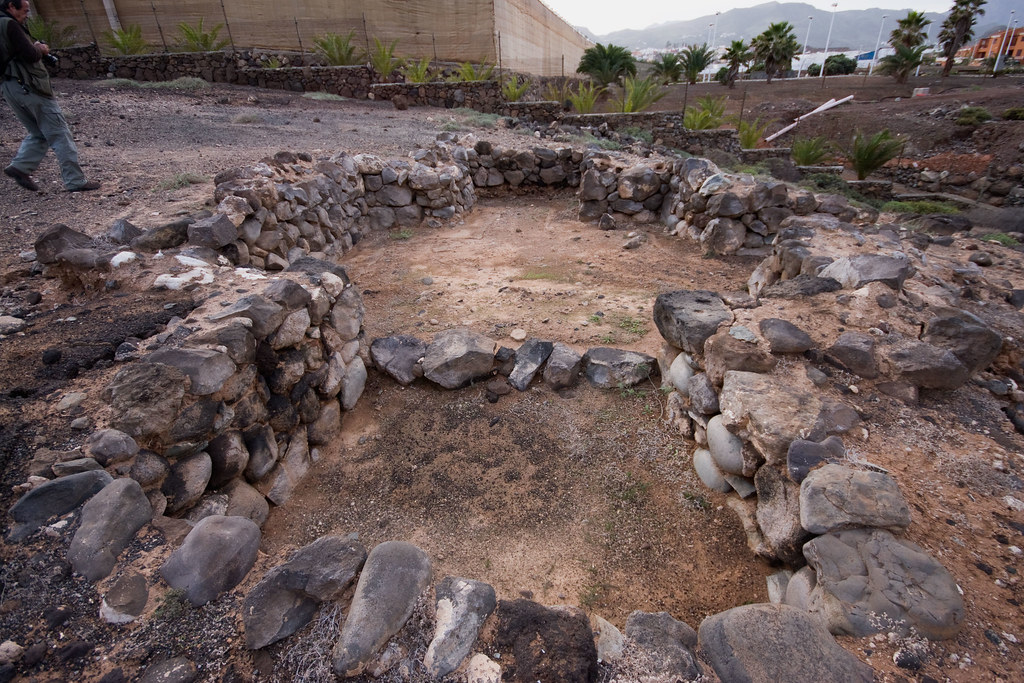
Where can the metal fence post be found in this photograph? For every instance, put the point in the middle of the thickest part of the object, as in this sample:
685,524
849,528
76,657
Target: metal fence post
159,28
227,25
89,24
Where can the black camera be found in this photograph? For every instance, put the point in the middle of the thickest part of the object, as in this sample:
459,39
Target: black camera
51,60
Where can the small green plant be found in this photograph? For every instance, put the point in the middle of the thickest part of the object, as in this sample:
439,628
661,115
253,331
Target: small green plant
868,153
1014,114
595,319
698,501
556,91
633,490
403,234
197,39
707,114
383,59
608,338
338,50
513,90
180,180
592,594
183,84
418,72
247,118
751,132
1001,238
323,96
469,72
810,151
585,97
127,40
638,94
639,134
173,605
476,119
50,32
972,116
921,206
271,63
632,325
540,275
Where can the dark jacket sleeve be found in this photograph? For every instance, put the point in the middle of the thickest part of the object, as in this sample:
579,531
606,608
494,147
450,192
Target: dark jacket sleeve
22,47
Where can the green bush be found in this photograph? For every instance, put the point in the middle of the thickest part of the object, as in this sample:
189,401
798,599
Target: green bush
639,134
584,99
513,90
814,70
1014,114
127,40
840,65
919,206
638,94
196,39
868,153
556,91
751,132
972,116
50,32
1000,238
810,151
469,72
707,114
418,72
338,50
383,59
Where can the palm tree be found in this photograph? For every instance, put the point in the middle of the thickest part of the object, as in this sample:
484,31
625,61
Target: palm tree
737,56
901,64
776,47
607,64
910,30
668,68
696,58
958,28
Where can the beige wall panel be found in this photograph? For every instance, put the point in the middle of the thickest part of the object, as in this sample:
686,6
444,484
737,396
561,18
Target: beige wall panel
536,40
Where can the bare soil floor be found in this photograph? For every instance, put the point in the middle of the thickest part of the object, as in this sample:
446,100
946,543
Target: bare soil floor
583,497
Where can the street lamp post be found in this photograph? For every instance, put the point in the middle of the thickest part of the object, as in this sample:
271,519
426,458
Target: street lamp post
800,67
878,43
714,32
828,40
1002,45
917,72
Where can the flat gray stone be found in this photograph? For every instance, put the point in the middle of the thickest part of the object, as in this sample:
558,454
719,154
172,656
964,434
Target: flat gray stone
187,480
126,599
146,398
215,557
245,501
228,457
462,607
398,356
287,597
266,315
686,318
667,642
530,356
853,272
855,351
869,581
563,367
834,497
778,515
457,357
110,520
767,642
207,369
109,446
785,337
971,340
927,366
395,575
56,497
609,368
804,455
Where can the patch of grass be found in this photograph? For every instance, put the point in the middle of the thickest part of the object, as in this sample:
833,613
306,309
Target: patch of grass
972,116
247,118
323,96
477,119
173,605
1014,114
595,318
632,325
630,392
180,180
403,234
639,134
183,84
758,169
810,151
608,338
271,63
919,206
698,501
633,490
1000,237
592,594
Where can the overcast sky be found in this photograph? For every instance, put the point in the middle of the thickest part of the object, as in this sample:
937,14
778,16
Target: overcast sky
605,16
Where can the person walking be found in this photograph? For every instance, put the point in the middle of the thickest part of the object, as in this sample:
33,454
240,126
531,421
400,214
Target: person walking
27,90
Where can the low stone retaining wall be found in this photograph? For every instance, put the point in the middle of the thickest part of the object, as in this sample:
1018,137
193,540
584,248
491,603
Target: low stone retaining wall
666,127
1000,185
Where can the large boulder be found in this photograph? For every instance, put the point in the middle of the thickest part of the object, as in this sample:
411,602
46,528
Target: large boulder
215,557
145,398
208,370
395,575
926,366
776,643
56,497
110,521
58,239
834,497
869,581
970,339
609,368
723,352
287,597
457,357
785,337
853,272
667,644
686,318
398,356
462,607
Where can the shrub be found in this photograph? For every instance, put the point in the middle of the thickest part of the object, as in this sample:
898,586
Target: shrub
639,94
383,59
751,132
639,134
869,153
814,70
418,72
585,98
50,32
840,65
919,206
196,39
271,63
810,151
1014,114
556,91
512,90
708,113
972,116
338,50
469,72
127,40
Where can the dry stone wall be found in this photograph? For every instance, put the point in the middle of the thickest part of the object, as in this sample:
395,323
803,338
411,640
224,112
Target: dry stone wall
666,127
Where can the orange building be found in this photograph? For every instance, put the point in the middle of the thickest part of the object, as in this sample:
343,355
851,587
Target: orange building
992,44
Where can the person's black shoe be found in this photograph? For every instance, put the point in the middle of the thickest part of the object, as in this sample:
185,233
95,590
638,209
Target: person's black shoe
87,187
22,178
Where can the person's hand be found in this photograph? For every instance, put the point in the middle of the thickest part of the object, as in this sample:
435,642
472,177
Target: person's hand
42,47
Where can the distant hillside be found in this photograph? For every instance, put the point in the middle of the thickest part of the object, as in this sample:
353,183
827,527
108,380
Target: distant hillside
853,29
